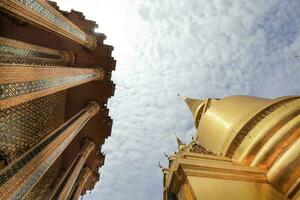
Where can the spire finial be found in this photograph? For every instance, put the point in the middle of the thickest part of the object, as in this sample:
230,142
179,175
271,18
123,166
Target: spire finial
179,142
194,105
182,97
181,145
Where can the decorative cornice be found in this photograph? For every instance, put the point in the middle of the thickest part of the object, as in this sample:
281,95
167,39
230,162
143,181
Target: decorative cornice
207,166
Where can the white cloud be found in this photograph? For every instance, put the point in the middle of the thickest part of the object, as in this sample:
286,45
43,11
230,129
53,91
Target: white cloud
199,48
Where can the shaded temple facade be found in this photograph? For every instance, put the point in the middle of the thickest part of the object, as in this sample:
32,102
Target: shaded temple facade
55,80
244,148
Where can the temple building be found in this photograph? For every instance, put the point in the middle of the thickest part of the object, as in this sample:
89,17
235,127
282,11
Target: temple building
244,148
55,81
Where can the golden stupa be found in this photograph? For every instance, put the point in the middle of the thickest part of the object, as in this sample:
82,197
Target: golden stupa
245,148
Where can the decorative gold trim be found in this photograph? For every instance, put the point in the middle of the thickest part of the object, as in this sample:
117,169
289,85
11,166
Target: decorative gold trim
253,122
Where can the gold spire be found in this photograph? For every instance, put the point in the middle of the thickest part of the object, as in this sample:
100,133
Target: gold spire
181,145
194,105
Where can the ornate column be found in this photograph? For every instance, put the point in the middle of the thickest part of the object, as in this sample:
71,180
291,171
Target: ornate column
39,12
22,83
62,181
88,146
83,177
18,177
14,52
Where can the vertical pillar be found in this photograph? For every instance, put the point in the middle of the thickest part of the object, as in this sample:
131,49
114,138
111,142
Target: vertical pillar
22,83
85,151
39,12
18,177
54,193
13,52
83,177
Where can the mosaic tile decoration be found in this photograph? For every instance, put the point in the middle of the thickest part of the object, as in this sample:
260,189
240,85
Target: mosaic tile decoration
42,10
42,188
24,125
18,52
12,51
16,89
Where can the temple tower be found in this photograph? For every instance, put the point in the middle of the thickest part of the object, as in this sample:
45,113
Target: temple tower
55,81
244,148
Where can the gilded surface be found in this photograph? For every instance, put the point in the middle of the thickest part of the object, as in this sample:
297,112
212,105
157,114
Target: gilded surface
24,125
262,139
252,123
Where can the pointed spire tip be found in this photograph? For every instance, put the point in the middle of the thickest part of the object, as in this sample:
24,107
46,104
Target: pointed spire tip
182,97
179,142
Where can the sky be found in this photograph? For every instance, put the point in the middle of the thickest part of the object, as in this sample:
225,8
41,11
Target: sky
197,48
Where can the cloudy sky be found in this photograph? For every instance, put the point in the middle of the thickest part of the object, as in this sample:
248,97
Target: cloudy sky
198,48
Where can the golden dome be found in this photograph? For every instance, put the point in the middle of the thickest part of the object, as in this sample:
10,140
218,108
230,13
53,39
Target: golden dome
240,138
219,121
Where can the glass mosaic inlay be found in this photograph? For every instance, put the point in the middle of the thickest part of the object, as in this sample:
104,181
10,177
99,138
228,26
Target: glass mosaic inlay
40,9
24,125
7,174
16,89
12,51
